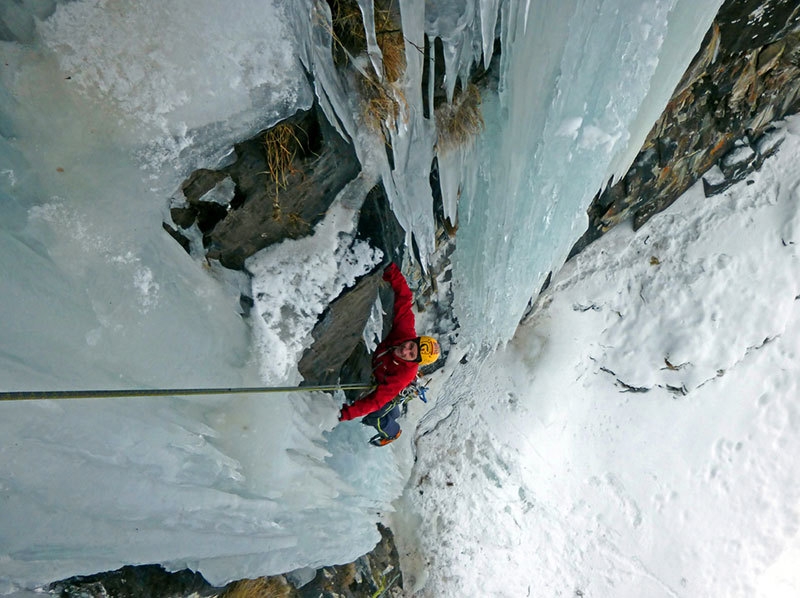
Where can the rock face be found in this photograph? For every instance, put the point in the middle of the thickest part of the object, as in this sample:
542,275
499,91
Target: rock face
279,187
374,574
338,334
134,582
338,352
745,76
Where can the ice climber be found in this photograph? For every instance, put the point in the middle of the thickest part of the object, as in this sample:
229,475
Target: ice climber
394,365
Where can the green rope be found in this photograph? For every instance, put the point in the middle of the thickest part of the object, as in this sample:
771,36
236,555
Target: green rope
34,395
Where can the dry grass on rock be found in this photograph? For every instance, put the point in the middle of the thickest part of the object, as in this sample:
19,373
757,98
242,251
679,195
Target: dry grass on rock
281,146
349,36
382,109
459,122
392,44
262,587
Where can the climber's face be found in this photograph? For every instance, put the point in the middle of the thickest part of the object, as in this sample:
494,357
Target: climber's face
407,351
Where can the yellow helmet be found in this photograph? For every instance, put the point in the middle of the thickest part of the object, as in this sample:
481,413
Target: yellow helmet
428,350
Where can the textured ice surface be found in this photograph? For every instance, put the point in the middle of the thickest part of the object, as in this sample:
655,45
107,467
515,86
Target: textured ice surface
576,80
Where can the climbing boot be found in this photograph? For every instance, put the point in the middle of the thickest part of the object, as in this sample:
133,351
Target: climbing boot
380,440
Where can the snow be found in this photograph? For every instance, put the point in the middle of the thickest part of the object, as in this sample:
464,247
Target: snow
161,72
542,472
289,295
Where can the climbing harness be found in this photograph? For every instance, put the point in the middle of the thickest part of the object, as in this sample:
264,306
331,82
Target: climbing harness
410,392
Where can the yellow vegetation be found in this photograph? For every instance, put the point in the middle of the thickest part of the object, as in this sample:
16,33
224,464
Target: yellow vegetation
459,122
392,44
380,109
262,587
348,32
350,38
281,147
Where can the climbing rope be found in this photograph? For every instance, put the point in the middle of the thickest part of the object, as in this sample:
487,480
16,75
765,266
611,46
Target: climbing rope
33,395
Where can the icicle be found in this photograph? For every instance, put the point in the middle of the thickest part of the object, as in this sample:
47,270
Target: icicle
373,49
489,13
314,25
450,171
413,140
431,73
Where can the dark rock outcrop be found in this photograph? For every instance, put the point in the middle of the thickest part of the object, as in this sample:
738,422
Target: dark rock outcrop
378,226
135,582
375,573
263,208
745,76
338,334
338,352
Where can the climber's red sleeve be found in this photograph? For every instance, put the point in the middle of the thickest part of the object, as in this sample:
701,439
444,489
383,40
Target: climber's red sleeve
403,323
384,393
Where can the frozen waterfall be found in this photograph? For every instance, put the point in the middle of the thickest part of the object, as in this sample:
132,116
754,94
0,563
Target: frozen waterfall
581,85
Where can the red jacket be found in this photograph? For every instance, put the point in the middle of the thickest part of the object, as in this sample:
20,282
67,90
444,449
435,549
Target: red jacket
391,373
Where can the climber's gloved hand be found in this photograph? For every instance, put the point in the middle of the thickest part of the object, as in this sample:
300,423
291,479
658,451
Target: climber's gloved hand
344,413
391,271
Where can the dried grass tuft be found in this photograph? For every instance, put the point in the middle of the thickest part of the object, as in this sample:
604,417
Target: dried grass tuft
393,49
281,145
262,587
381,110
350,38
347,574
348,32
459,122
392,45
384,98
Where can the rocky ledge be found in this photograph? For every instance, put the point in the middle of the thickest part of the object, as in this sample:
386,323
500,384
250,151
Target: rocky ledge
374,574
745,77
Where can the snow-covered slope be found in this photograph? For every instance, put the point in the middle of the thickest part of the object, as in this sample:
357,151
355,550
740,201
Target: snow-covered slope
639,435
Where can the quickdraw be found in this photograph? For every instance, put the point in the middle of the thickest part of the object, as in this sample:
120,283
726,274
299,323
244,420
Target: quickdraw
410,392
